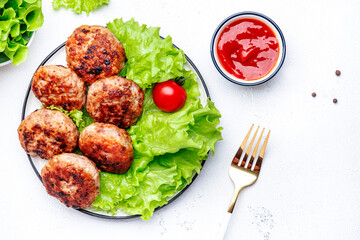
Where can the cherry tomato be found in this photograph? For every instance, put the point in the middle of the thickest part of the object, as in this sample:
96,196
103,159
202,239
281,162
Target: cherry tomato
169,96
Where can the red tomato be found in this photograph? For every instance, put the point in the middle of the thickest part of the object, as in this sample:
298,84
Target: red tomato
169,96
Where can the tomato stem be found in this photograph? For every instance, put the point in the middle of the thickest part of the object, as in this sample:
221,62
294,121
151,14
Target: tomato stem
180,80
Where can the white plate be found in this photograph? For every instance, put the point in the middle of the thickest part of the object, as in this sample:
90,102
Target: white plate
31,103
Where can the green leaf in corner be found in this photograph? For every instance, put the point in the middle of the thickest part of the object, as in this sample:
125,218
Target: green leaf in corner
18,20
79,6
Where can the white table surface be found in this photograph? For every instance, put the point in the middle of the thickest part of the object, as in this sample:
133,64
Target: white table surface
309,184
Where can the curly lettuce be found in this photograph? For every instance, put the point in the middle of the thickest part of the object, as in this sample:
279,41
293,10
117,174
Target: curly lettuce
79,6
150,58
18,21
168,147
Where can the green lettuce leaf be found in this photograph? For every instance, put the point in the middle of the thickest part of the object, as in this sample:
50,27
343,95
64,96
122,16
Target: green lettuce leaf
18,20
2,3
79,6
150,58
168,147
81,119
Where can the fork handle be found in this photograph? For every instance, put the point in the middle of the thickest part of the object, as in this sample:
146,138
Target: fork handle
223,226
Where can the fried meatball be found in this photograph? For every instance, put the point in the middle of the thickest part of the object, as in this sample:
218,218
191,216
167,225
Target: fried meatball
46,133
108,146
59,86
115,100
94,52
71,178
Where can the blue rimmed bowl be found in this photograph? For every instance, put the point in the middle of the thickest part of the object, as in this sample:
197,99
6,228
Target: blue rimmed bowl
248,15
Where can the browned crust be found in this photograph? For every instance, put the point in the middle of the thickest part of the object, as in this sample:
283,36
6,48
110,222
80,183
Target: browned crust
59,86
108,146
94,52
115,100
46,133
71,178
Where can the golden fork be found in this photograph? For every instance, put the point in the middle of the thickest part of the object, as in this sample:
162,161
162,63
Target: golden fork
244,175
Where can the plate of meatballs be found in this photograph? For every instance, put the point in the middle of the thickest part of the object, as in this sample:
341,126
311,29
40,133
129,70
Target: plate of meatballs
82,73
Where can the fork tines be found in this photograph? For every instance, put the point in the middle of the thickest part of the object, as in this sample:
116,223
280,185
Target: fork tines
259,159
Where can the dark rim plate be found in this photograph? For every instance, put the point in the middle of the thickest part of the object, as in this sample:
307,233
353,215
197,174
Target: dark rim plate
95,213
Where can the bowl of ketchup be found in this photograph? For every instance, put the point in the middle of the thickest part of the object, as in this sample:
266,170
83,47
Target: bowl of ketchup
248,48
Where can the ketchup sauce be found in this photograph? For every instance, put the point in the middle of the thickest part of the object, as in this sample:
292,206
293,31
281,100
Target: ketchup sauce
248,49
